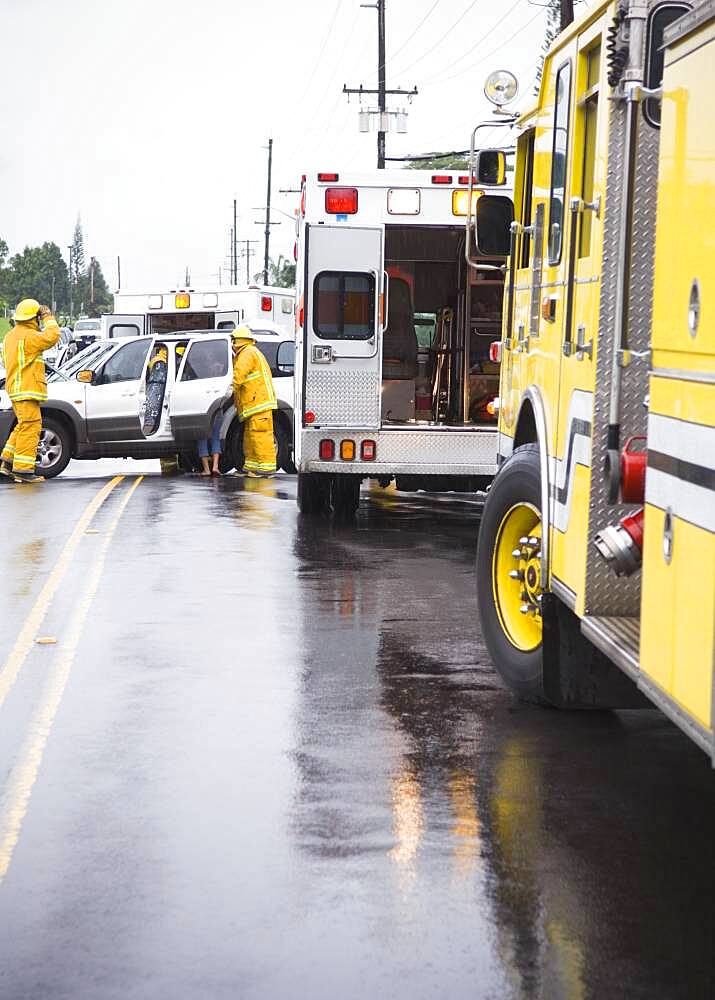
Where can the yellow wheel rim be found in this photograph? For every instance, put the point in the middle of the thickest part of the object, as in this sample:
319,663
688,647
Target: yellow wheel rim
516,576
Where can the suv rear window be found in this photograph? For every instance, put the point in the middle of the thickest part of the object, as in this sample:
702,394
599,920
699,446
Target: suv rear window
208,359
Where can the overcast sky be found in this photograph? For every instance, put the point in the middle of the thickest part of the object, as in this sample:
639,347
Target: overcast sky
149,116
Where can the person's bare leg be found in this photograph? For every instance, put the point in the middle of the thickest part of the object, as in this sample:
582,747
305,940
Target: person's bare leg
205,470
215,460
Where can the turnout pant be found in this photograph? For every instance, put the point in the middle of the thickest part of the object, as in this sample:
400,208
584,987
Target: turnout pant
259,447
21,447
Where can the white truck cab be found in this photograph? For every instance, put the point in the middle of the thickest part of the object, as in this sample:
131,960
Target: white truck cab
394,379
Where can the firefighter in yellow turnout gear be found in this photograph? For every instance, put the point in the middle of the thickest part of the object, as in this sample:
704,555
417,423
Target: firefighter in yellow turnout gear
255,400
35,331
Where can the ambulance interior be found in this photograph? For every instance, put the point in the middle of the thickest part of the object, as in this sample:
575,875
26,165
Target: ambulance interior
435,304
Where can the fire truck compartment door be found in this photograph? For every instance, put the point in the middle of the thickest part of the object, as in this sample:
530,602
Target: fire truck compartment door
345,285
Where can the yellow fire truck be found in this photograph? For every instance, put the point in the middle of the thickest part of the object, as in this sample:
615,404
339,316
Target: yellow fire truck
597,545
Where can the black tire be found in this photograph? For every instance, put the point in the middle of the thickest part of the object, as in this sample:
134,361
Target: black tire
345,495
518,482
313,494
284,444
232,455
55,448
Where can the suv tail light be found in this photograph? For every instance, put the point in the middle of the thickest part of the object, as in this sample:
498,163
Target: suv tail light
368,451
341,201
495,351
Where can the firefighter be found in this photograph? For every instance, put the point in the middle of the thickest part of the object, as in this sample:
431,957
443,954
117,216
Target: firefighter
35,331
255,399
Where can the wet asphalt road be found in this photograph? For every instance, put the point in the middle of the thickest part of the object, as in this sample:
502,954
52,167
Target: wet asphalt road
268,757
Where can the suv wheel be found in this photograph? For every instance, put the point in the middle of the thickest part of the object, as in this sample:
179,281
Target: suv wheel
55,448
284,444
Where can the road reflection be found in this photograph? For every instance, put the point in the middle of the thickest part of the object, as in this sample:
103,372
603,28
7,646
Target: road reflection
575,847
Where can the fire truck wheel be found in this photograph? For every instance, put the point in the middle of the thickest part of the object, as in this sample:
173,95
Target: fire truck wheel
345,495
509,574
313,492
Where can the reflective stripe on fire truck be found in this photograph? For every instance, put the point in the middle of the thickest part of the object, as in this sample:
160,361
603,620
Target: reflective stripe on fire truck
681,469
576,452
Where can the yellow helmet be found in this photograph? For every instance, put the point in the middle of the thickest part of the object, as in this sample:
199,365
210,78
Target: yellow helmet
242,333
26,310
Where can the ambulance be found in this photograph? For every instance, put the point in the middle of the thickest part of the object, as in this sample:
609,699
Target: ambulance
184,309
596,551
393,330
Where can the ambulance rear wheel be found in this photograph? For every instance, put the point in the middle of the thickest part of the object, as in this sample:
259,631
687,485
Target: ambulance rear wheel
345,495
313,492
509,585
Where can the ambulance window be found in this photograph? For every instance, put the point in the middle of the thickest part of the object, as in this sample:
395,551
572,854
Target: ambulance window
208,359
344,305
225,324
558,163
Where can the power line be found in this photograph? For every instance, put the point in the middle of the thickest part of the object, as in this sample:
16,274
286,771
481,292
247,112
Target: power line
318,60
440,39
507,41
478,44
410,37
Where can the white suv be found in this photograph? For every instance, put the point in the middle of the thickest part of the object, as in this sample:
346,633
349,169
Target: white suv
100,412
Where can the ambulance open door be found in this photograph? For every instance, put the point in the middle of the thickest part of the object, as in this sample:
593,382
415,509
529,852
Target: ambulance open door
344,305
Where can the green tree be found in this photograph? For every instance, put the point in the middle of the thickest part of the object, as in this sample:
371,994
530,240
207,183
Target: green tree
91,293
35,273
77,262
281,273
449,161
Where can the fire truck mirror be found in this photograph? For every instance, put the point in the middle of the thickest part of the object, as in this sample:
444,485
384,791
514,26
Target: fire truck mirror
490,166
495,214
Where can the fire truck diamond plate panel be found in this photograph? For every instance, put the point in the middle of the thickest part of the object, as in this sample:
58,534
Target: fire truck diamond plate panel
343,398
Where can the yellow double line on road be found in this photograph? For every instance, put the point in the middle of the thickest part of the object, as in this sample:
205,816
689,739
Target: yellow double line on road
15,799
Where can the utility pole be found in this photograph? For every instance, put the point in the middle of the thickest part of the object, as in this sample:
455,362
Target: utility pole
91,280
268,213
53,304
381,96
566,13
70,281
232,257
119,272
248,253
383,116
234,246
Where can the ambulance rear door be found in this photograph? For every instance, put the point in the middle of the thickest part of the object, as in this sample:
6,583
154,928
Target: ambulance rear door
345,285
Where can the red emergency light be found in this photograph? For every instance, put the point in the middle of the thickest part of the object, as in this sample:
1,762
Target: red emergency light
341,201
329,178
309,417
463,179
266,303
441,178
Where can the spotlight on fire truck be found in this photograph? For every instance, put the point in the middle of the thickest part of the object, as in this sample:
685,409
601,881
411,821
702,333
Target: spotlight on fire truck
501,87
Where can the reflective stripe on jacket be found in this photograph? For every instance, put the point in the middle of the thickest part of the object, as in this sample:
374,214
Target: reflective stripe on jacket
252,383
22,351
